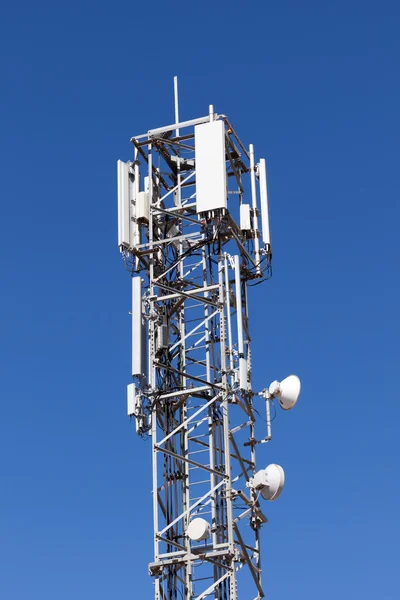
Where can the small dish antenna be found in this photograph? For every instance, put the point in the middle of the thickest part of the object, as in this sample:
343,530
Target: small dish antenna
269,481
199,529
286,391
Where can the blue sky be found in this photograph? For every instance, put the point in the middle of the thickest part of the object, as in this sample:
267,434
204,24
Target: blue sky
314,85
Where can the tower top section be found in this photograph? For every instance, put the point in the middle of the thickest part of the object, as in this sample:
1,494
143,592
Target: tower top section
201,185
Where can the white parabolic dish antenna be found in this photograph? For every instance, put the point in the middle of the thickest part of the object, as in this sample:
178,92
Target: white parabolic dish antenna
287,391
199,529
275,480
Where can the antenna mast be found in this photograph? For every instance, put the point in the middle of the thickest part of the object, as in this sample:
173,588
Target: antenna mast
189,208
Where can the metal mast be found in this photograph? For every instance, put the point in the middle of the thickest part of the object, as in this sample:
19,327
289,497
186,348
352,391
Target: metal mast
194,233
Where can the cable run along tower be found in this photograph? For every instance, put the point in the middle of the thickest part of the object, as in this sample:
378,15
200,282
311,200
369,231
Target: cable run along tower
193,230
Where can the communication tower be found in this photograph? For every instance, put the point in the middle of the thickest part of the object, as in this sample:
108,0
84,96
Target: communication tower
193,230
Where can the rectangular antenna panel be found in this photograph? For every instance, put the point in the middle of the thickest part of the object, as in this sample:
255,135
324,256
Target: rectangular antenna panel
211,188
123,203
131,399
142,206
264,202
245,221
138,331
162,337
243,374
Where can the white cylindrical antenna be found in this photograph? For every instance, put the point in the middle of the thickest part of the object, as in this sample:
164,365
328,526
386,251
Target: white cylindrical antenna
268,411
239,317
176,103
254,207
264,203
211,111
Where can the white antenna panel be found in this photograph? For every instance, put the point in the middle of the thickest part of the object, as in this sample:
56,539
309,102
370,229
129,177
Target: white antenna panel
264,202
138,331
131,393
211,189
243,384
123,203
245,221
143,206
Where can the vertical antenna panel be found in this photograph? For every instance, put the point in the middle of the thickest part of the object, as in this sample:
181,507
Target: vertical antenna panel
143,206
245,221
123,203
264,202
211,192
138,330
239,316
131,398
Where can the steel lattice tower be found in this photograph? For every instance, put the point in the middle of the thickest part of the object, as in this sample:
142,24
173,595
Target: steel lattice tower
194,246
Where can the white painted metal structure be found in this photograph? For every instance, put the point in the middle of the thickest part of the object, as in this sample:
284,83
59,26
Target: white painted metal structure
189,232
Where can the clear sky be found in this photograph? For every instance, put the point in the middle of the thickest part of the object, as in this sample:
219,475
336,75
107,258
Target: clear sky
315,86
